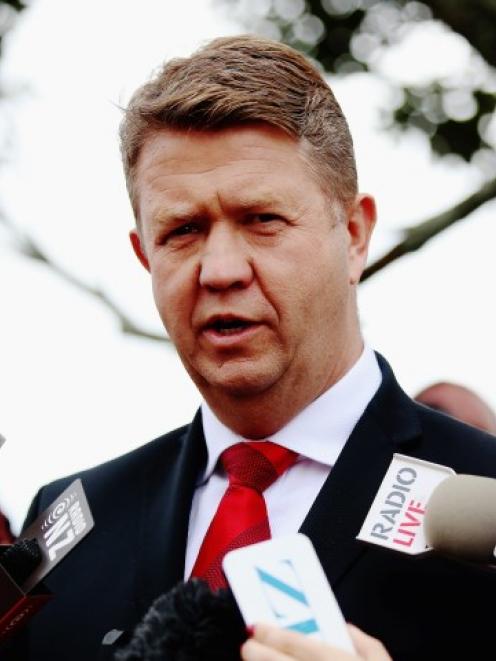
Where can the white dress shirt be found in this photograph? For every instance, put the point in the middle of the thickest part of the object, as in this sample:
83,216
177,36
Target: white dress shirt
317,434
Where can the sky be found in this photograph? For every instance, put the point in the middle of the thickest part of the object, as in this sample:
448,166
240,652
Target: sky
74,390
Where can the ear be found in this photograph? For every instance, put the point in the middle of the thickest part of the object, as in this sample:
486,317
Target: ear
138,248
361,222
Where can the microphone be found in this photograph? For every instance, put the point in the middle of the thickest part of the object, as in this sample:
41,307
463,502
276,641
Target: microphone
18,562
21,559
279,581
422,507
188,623
460,518
24,565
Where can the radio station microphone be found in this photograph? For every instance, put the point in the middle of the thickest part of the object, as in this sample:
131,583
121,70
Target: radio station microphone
422,507
18,562
460,518
188,623
25,564
21,559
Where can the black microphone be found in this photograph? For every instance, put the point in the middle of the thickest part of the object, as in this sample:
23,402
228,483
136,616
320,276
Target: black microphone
21,559
188,623
46,541
17,563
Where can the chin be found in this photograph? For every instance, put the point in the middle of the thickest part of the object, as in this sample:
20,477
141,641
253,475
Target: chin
236,382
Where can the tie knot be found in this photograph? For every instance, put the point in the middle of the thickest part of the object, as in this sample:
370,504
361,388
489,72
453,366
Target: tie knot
256,464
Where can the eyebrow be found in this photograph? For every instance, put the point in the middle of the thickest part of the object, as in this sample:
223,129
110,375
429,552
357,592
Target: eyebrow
174,215
247,202
258,197
184,213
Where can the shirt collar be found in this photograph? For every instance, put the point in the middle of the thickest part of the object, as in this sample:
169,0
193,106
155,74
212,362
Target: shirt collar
320,431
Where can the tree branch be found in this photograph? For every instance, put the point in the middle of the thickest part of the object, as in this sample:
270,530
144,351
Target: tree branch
29,248
418,235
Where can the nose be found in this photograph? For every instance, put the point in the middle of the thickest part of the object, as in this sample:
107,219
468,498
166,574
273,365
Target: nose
225,262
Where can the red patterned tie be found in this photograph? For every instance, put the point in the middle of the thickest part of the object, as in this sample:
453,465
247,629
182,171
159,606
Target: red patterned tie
241,518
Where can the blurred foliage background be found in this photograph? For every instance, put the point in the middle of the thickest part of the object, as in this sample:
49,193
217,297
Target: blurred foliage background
456,112
349,36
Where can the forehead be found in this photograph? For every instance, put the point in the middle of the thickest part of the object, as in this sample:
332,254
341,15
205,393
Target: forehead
244,162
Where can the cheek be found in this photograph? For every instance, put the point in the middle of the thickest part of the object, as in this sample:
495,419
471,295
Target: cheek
303,280
327,291
172,295
306,300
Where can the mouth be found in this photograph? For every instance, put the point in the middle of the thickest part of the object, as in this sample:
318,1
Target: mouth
228,325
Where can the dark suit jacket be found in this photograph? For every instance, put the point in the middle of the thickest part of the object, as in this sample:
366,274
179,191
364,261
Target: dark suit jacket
420,608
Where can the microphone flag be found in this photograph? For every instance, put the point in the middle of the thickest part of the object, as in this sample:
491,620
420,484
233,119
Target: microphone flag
396,517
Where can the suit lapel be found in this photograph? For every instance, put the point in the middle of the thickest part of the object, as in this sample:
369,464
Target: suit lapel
169,486
388,425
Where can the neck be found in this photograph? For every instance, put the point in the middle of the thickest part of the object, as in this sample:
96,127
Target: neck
261,415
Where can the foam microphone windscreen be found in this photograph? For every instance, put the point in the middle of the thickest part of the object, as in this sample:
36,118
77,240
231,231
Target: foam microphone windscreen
188,623
21,559
460,518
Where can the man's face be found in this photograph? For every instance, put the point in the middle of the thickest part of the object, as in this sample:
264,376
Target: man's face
253,269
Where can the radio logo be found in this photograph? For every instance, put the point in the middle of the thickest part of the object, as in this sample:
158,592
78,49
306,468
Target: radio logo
64,523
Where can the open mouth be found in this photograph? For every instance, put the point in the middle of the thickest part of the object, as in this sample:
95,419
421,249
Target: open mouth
229,326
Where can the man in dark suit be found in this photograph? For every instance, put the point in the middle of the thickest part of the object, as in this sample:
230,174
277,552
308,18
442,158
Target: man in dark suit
241,173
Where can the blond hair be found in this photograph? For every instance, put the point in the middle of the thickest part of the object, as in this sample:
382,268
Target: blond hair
239,80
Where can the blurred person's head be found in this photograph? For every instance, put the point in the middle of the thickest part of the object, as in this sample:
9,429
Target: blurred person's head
459,402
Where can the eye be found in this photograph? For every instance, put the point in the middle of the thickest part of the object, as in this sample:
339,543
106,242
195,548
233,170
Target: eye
179,234
185,229
266,223
266,217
